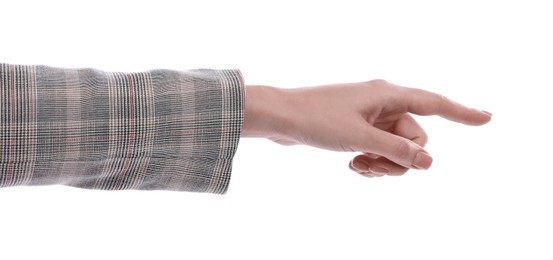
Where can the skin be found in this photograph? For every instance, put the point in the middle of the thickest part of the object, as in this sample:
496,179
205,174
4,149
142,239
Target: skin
372,118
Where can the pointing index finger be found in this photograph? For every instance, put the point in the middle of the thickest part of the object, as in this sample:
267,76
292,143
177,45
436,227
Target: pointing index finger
422,102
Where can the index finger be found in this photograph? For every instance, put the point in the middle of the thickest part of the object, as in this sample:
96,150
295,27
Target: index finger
422,102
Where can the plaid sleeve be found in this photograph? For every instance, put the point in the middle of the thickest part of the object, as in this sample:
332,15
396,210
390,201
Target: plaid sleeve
86,128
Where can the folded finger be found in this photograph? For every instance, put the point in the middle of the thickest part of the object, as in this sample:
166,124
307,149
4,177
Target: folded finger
407,127
375,166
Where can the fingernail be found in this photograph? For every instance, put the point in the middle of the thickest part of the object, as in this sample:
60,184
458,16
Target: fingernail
422,161
379,170
360,166
486,112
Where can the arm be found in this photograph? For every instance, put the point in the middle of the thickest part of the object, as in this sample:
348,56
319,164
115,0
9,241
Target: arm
154,130
367,117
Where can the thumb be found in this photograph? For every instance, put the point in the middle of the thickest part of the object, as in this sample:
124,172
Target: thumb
397,149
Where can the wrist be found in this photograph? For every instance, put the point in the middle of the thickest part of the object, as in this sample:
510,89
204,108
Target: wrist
265,112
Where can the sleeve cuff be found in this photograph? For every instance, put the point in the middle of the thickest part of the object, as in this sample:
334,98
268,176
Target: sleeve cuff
232,118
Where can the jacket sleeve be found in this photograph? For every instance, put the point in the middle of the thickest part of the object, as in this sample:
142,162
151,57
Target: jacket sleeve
86,128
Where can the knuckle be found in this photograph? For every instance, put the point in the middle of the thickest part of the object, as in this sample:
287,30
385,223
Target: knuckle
402,149
423,138
384,88
379,82
442,100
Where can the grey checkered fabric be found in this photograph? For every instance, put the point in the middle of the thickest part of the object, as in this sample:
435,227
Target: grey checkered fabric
86,128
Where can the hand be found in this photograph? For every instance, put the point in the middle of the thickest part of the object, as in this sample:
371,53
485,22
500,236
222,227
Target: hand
368,117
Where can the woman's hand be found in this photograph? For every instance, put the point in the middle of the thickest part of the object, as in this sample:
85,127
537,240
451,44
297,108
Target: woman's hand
368,117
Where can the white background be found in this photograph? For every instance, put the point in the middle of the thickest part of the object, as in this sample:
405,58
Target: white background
488,195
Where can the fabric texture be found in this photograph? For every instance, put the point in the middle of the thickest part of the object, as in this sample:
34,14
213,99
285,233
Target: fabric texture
86,128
